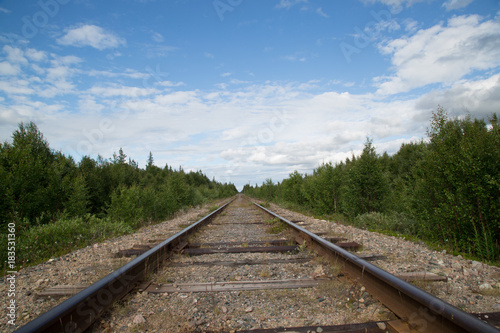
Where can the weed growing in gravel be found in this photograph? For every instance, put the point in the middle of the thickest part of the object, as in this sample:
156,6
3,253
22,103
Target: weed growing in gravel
122,309
330,269
429,286
212,208
276,226
333,288
265,273
494,292
302,247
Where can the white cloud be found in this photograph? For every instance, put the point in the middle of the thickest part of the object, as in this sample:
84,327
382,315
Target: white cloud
287,126
7,68
395,5
299,56
15,55
91,35
480,97
90,106
112,56
35,55
157,37
441,54
177,98
58,77
235,133
170,84
320,12
410,25
456,4
128,73
158,50
287,4
34,72
66,60
16,87
121,91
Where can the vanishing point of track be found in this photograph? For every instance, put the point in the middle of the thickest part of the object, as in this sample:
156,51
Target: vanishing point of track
241,226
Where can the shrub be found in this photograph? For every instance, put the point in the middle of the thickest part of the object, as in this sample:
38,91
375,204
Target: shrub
127,206
393,221
45,241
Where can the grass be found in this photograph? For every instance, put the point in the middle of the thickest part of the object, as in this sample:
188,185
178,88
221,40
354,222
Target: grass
265,273
433,245
213,208
39,243
184,225
391,224
276,226
302,247
428,286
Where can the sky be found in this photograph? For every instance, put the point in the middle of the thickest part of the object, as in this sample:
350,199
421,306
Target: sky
244,90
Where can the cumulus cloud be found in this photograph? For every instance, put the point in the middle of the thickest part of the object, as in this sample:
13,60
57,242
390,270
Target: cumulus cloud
287,125
441,54
29,71
456,4
91,35
479,97
15,55
35,55
6,68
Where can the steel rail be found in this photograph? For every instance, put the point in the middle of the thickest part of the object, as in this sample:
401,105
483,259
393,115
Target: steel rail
421,310
80,311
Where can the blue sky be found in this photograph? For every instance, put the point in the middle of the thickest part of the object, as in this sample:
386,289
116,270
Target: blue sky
243,90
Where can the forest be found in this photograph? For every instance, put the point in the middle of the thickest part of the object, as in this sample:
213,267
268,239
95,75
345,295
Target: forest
444,190
58,205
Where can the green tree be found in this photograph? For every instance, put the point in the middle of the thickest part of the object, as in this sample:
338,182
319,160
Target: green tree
458,192
367,187
403,177
292,188
27,174
78,202
127,206
150,161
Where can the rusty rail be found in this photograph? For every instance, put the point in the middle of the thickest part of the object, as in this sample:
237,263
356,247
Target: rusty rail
80,311
419,309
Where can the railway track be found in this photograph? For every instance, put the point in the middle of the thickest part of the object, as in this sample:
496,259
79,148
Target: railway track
243,267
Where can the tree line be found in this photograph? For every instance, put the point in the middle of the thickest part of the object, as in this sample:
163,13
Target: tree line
52,199
445,189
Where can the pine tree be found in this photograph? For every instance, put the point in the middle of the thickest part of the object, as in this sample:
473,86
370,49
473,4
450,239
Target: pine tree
150,161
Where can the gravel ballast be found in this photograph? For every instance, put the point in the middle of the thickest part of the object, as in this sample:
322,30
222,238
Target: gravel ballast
472,286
